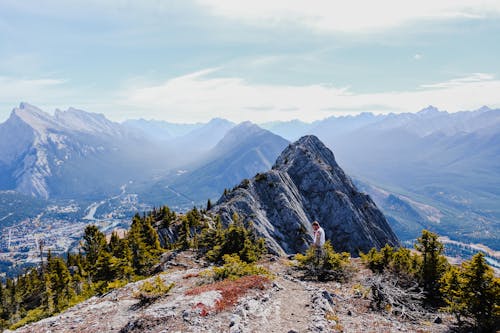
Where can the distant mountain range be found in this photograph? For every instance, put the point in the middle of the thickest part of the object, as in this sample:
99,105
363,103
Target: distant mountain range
429,169
245,150
445,166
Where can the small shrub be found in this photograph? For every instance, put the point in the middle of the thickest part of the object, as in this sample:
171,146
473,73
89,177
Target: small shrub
102,287
235,268
32,316
150,291
329,265
360,291
260,177
401,263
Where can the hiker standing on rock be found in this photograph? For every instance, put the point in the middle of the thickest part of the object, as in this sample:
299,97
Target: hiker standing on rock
318,239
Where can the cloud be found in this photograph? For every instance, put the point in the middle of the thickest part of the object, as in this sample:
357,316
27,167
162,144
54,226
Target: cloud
201,96
350,16
473,78
417,56
16,89
43,91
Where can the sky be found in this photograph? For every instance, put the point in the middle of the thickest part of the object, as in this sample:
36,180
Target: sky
193,60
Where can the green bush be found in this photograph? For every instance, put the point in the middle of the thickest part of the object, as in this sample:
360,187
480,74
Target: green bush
150,291
32,316
234,268
325,265
401,262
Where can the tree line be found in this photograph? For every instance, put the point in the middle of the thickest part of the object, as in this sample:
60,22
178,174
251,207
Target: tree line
105,262
470,291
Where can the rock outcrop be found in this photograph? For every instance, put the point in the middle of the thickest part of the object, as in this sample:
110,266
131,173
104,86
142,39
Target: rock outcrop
307,184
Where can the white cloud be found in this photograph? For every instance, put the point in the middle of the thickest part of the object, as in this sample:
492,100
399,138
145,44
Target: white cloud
473,78
198,96
16,89
42,92
350,16
417,56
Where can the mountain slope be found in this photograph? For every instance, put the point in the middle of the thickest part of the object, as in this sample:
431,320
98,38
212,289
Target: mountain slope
70,154
245,150
306,184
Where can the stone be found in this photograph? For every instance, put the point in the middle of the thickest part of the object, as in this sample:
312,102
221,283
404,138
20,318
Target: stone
327,296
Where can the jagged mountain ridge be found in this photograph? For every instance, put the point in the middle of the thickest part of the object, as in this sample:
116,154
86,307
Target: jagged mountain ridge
306,184
70,152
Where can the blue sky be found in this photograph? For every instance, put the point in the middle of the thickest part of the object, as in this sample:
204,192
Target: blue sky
188,61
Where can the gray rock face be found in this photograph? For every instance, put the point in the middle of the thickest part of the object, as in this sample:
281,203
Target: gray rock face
306,184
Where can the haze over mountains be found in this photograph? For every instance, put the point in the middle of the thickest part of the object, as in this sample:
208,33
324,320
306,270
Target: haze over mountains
430,169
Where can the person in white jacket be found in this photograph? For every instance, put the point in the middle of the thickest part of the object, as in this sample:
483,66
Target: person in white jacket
318,242
319,235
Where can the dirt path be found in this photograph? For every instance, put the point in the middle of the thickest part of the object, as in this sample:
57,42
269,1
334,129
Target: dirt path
287,309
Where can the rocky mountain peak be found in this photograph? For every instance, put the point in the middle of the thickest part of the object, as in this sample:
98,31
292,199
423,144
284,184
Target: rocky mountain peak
82,121
35,118
306,184
430,110
307,149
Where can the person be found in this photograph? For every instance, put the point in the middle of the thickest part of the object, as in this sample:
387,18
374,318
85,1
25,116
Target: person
318,242
319,235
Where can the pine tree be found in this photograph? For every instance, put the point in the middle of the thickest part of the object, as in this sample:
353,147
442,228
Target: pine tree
94,242
48,297
433,266
481,292
144,254
453,293
60,279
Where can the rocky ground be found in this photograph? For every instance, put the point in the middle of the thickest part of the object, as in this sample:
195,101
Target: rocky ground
286,304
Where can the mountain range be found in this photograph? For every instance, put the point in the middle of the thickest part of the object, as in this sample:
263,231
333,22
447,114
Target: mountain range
430,169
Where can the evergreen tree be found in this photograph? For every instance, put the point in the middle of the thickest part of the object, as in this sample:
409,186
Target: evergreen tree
48,299
94,242
453,293
60,280
184,239
144,255
433,266
481,292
